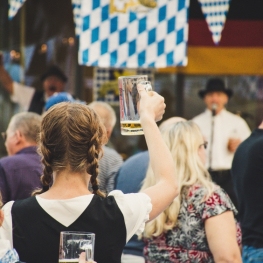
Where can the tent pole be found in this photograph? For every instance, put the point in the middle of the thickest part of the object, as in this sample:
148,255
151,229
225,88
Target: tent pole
22,43
179,92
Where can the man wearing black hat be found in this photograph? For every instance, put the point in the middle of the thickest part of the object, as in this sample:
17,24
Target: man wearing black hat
223,131
28,98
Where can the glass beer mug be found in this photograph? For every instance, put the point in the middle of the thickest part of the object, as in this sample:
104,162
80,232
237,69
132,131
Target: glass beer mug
73,243
129,97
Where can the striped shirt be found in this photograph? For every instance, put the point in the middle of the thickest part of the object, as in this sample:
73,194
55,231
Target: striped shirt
109,165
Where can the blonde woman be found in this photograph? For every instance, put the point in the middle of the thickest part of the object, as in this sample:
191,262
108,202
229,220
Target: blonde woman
71,140
199,224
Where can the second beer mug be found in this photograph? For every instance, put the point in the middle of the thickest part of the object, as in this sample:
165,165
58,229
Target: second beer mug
72,243
129,97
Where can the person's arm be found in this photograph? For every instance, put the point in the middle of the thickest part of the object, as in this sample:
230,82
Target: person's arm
4,188
221,235
243,132
151,109
233,143
5,78
6,230
19,93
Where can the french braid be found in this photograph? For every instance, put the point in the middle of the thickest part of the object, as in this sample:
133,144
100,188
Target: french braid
93,168
46,178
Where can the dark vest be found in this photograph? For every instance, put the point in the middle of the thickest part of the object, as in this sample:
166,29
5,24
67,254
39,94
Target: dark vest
37,103
36,233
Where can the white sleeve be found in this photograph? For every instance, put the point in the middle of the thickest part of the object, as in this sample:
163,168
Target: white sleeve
244,130
135,209
6,228
22,95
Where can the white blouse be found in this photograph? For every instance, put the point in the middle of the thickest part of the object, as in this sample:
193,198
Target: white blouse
134,207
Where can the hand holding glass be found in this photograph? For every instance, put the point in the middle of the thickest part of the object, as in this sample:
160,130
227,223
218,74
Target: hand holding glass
233,141
129,97
73,243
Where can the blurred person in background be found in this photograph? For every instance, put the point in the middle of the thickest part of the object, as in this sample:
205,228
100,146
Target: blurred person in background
28,98
111,160
20,171
199,224
247,175
223,131
129,181
58,97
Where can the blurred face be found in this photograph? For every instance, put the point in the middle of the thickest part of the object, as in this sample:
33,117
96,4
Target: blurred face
11,142
218,98
53,84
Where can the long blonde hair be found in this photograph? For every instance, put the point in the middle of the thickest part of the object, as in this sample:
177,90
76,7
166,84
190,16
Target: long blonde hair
184,140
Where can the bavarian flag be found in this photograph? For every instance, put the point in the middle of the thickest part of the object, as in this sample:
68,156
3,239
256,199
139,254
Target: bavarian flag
134,33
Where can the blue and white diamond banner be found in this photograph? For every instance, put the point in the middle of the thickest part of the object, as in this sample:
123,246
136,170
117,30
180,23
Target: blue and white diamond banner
215,12
134,33
14,6
76,8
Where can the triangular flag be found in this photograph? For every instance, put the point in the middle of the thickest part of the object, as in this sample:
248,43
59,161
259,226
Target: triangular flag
76,7
215,12
14,6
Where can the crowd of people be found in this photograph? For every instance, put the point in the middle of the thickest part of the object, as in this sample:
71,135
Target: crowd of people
193,196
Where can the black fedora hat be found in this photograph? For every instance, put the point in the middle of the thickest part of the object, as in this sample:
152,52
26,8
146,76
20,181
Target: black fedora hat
215,85
54,71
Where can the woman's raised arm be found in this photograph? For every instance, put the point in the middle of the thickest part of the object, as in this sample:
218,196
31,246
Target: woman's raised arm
151,109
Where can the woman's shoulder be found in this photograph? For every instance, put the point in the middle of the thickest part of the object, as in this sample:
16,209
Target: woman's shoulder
131,199
135,208
211,204
196,193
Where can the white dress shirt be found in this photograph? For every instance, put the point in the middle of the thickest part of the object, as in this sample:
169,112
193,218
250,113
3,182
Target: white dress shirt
226,125
22,95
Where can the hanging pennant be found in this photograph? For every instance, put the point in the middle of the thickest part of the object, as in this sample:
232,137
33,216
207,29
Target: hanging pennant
134,33
14,6
215,12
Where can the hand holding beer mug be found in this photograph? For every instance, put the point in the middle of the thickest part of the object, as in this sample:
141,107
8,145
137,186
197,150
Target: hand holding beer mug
151,105
82,258
233,141
129,98
72,244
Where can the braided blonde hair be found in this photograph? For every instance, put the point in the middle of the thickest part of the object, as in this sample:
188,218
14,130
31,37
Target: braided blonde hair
71,136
